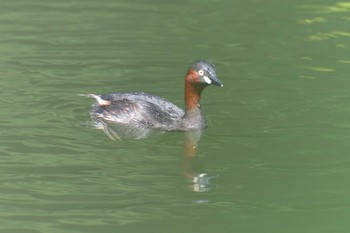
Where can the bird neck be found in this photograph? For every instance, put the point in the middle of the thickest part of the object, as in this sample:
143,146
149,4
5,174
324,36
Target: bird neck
193,91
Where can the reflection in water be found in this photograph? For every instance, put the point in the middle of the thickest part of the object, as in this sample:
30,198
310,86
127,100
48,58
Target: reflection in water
338,7
192,164
122,132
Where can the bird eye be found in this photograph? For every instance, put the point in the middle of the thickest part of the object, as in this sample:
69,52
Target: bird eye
200,72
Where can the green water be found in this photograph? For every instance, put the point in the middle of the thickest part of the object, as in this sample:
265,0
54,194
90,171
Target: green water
278,136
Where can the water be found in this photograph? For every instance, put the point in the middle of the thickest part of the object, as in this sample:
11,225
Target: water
278,136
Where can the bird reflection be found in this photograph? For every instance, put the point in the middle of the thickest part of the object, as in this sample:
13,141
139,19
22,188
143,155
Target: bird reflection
193,166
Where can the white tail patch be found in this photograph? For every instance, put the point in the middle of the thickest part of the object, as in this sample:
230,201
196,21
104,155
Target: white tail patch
99,100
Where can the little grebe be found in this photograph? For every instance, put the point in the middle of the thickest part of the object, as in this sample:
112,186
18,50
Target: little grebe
145,111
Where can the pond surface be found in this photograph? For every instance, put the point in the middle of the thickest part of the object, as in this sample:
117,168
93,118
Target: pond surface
278,141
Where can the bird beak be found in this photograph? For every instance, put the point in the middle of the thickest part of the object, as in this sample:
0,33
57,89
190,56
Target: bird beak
214,80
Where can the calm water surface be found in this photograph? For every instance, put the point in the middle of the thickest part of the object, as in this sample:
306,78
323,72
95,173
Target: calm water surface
278,140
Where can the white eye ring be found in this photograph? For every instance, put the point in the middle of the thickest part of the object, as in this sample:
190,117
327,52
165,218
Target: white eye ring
200,72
